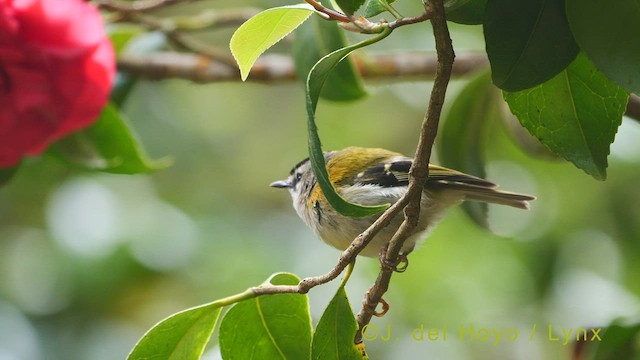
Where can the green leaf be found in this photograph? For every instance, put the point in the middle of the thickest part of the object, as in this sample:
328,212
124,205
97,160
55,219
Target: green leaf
262,31
315,39
350,6
464,134
181,336
122,87
6,174
334,335
109,145
616,342
268,327
468,12
528,41
608,34
375,7
576,114
316,79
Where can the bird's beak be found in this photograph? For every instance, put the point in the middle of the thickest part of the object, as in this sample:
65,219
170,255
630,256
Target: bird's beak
281,184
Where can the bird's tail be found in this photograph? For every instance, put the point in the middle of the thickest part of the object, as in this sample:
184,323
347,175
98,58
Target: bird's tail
474,188
490,195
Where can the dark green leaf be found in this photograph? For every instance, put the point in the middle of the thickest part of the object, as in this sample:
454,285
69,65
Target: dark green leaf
528,41
350,6
121,88
469,12
375,7
315,39
576,114
316,79
6,175
181,336
463,134
334,335
616,342
608,34
268,327
110,146
522,138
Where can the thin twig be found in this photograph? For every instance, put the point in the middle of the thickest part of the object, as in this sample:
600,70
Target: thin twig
345,259
331,14
420,168
426,15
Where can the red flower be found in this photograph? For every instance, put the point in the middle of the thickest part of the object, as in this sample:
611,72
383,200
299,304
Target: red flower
56,71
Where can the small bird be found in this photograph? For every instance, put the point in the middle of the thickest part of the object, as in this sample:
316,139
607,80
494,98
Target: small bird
371,176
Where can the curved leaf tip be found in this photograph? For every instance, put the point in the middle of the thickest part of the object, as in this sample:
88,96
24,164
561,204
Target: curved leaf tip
262,31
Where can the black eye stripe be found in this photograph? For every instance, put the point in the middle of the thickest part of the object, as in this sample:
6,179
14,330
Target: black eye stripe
295,178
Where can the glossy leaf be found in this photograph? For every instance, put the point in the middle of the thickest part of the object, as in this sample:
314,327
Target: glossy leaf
349,6
181,336
464,134
528,41
576,114
468,12
315,39
608,34
316,79
616,342
333,338
109,145
268,327
6,174
375,7
262,31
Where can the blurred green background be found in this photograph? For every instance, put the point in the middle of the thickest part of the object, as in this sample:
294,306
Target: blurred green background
89,261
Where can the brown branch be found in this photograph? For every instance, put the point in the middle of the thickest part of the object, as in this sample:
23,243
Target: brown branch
426,15
364,26
280,68
136,6
420,168
330,14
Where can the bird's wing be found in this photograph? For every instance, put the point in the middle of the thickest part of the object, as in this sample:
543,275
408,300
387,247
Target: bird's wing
396,173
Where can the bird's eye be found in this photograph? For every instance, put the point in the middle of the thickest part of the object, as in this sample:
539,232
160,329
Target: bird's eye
298,177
